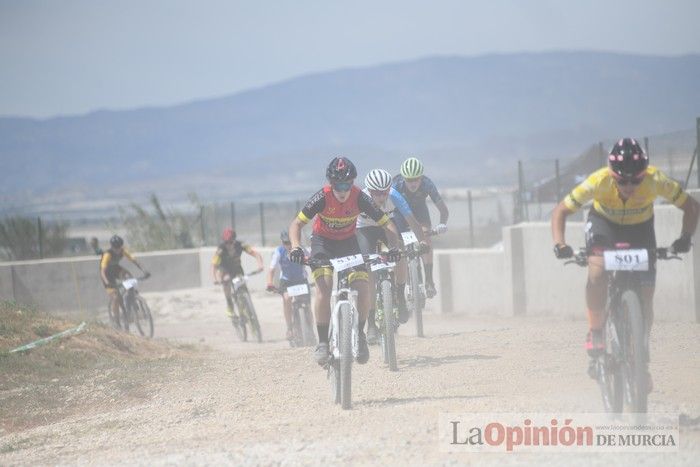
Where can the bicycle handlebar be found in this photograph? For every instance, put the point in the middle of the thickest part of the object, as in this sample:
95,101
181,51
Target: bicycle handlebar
366,258
580,258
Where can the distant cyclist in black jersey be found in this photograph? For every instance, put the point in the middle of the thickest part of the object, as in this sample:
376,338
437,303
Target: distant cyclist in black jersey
226,264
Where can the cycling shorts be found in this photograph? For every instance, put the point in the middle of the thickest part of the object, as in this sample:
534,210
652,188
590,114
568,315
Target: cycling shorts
326,248
284,283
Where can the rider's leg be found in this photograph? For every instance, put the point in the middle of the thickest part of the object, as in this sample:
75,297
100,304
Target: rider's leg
287,306
114,299
322,302
596,297
229,298
428,266
358,281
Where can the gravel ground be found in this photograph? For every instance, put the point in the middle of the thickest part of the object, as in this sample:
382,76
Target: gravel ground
250,404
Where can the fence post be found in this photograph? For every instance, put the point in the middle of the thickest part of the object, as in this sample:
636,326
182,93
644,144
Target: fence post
558,178
601,154
518,216
697,147
471,220
670,164
201,225
646,146
262,222
233,215
297,205
41,237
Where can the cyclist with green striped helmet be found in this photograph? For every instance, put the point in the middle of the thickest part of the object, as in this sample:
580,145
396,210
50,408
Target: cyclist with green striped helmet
415,188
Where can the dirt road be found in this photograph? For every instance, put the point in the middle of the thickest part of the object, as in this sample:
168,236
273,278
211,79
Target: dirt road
268,404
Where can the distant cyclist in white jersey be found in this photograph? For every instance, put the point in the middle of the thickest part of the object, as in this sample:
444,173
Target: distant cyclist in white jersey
369,234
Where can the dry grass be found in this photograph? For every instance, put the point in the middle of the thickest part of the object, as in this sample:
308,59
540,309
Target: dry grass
94,370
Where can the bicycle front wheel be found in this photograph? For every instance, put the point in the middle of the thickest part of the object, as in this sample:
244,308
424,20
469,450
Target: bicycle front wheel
414,274
239,321
389,336
252,316
636,350
345,332
143,317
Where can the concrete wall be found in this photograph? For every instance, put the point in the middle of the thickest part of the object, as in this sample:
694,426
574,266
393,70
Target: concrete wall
536,283
74,283
469,281
523,279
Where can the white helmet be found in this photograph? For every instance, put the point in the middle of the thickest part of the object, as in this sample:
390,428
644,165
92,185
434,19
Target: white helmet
378,179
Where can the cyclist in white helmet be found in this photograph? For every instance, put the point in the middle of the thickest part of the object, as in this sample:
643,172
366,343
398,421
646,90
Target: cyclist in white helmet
369,234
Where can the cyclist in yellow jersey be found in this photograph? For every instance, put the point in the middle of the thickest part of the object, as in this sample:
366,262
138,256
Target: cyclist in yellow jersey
111,271
623,195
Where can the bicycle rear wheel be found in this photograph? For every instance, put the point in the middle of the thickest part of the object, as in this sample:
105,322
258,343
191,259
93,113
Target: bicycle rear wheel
389,337
143,317
635,350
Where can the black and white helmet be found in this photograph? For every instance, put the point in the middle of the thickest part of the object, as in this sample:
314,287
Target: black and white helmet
378,179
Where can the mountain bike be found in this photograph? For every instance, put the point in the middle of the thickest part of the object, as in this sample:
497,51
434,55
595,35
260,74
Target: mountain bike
343,331
386,314
621,369
302,318
132,308
415,294
246,315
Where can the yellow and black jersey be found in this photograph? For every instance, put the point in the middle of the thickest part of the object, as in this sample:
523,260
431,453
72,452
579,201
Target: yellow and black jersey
600,187
227,261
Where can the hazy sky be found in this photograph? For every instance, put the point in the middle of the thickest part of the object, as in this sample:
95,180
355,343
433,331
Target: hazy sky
67,57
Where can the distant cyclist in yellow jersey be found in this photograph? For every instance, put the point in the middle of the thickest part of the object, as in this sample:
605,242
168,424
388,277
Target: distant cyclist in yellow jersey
623,195
111,270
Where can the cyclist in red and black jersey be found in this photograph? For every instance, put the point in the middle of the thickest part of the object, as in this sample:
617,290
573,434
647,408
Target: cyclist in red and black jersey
336,207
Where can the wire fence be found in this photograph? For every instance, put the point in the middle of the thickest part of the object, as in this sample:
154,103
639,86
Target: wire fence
477,215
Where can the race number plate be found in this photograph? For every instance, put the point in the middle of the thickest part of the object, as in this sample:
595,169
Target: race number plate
379,266
347,262
296,290
408,238
130,283
626,260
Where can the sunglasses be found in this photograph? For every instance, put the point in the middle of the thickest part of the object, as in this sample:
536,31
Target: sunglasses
342,186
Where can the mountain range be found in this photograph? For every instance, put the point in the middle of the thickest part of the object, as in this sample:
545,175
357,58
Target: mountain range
468,118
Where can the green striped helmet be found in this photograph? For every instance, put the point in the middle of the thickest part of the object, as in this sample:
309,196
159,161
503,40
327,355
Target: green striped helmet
411,168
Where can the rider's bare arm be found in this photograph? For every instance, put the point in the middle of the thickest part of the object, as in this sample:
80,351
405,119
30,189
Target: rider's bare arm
444,212
392,234
295,232
215,273
416,227
255,254
559,215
